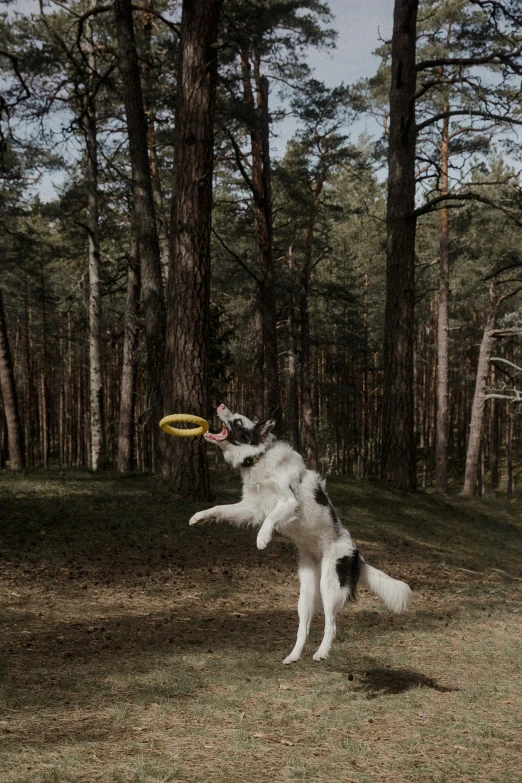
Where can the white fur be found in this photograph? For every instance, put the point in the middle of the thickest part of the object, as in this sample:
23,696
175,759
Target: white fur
279,496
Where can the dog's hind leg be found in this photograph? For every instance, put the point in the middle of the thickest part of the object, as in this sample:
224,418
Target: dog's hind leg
309,576
333,597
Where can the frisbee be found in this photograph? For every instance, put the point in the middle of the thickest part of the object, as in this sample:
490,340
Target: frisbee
185,417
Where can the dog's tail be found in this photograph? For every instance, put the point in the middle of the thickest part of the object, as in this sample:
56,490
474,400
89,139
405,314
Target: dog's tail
395,594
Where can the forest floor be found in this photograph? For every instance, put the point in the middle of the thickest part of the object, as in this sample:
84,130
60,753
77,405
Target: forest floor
138,649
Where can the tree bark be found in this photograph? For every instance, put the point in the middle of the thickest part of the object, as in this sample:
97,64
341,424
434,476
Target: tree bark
305,353
494,436
306,379
259,357
126,456
189,266
161,219
143,219
293,386
44,390
29,385
509,453
442,424
10,398
260,183
365,449
269,288
398,435
95,314
478,407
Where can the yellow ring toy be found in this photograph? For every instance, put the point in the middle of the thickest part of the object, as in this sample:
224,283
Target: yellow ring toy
189,419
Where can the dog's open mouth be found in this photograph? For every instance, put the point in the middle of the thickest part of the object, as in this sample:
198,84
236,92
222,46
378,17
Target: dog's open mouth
217,436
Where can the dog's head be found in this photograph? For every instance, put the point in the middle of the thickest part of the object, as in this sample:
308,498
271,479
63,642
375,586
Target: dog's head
240,437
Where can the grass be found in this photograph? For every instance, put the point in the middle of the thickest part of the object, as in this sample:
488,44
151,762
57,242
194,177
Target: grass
137,649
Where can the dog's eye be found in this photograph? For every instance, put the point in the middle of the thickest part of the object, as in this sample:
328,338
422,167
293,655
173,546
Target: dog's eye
238,422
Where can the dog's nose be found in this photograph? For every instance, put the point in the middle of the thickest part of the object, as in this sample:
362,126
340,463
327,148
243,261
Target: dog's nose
221,407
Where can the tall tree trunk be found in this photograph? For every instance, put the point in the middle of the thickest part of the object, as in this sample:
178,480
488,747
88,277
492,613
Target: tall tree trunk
10,398
44,396
29,385
189,266
306,378
126,456
305,354
293,385
269,288
259,181
161,219
509,452
98,457
494,439
4,441
365,413
259,357
442,425
143,219
398,433
69,381
478,407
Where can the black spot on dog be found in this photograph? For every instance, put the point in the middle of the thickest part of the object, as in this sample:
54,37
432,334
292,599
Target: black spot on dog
320,496
348,570
323,500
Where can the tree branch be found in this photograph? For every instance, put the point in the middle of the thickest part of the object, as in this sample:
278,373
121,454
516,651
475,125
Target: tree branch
237,258
430,205
501,56
485,115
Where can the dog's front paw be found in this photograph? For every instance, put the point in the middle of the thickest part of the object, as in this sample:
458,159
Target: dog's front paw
292,658
199,518
264,537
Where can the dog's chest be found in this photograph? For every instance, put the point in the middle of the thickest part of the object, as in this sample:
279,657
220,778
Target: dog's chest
262,494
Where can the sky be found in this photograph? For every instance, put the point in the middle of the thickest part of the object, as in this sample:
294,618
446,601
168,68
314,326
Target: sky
360,25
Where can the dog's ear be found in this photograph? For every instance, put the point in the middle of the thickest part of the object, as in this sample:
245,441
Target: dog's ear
264,427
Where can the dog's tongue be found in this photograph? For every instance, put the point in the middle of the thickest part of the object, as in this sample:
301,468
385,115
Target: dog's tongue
217,435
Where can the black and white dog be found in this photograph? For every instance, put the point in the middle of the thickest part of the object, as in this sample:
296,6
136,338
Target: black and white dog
280,494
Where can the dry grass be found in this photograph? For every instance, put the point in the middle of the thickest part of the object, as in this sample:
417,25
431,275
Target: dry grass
137,649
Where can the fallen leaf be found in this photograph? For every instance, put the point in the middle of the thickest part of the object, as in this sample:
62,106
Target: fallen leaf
284,687
459,747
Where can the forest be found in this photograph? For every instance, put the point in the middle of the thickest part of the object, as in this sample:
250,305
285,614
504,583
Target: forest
364,290
195,211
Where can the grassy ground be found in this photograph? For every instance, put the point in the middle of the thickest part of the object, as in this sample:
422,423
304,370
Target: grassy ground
138,649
